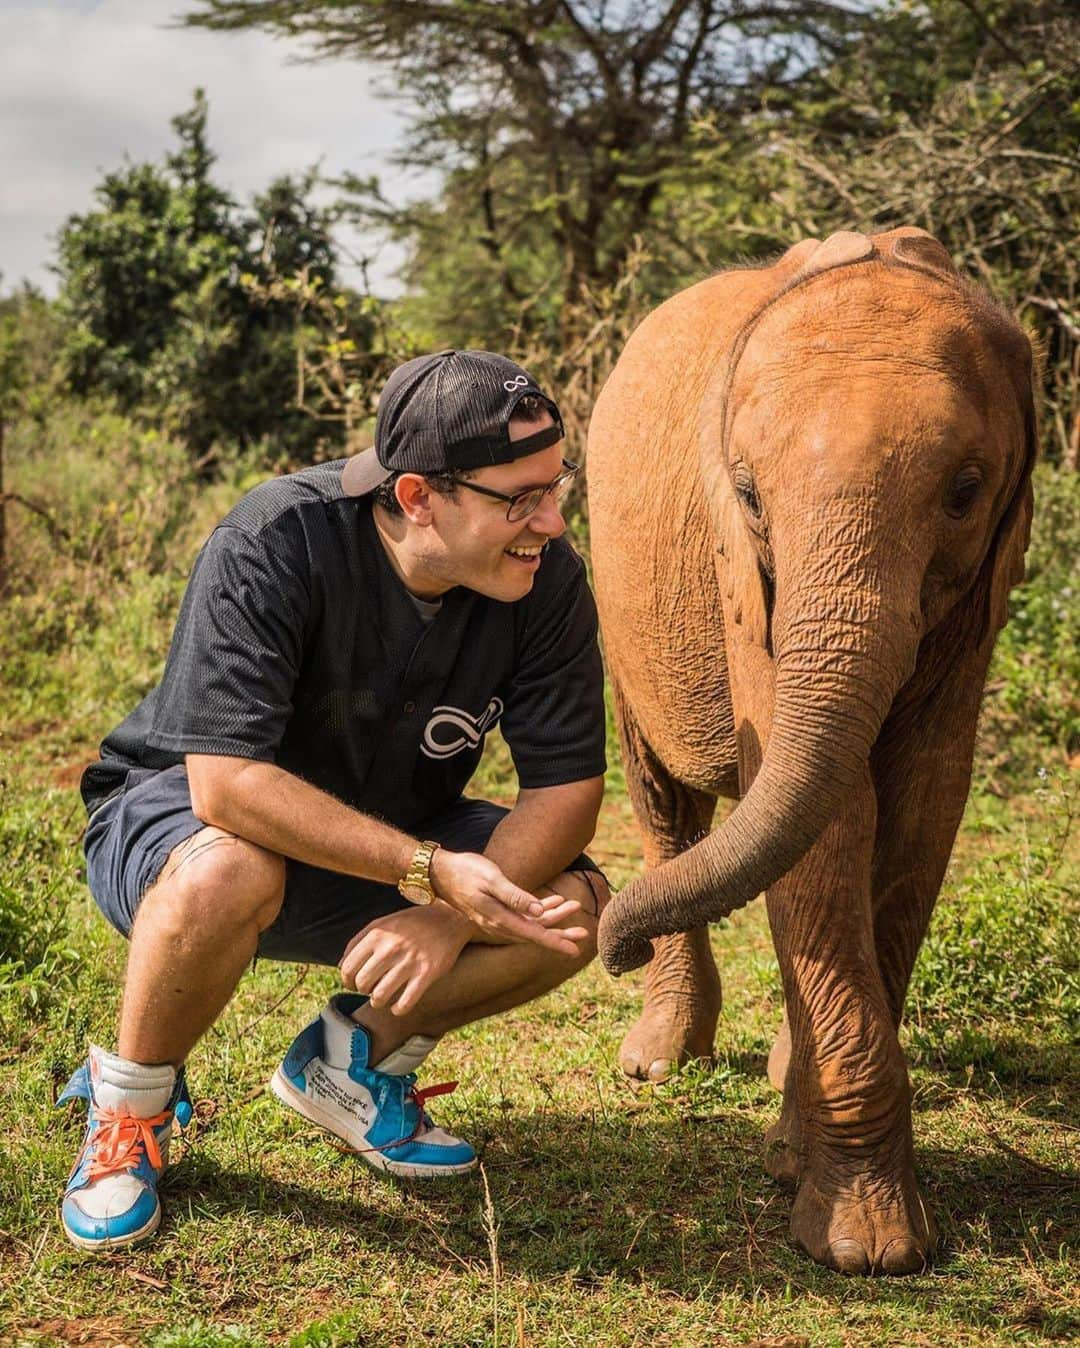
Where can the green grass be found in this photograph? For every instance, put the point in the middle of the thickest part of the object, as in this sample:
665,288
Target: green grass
604,1214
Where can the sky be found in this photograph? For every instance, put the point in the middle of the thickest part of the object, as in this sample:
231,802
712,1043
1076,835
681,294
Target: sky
84,83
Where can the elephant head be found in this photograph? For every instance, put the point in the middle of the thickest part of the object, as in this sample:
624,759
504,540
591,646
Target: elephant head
866,448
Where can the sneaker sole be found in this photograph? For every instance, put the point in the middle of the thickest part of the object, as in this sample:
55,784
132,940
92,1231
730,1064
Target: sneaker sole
114,1242
287,1093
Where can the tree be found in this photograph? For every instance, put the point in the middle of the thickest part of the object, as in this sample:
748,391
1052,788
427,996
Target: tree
167,305
962,116
555,122
154,237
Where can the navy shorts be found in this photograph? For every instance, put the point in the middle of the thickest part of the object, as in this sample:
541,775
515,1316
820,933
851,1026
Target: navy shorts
129,839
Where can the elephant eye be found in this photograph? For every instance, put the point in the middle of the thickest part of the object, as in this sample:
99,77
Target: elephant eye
962,492
745,489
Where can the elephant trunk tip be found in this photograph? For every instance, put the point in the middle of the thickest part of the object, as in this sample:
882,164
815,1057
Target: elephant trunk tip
622,951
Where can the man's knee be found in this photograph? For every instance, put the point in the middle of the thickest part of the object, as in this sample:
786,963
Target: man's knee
214,875
590,890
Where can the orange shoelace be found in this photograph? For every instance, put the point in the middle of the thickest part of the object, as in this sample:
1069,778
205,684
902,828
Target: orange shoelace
120,1139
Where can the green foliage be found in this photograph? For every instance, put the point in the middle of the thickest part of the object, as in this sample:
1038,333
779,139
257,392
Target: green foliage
553,127
579,142
1031,715
198,1334
37,962
165,305
29,336
96,568
1002,950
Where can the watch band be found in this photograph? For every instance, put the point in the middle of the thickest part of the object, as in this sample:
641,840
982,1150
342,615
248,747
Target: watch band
415,884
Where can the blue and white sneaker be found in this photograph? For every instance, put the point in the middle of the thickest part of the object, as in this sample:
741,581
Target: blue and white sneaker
111,1198
380,1114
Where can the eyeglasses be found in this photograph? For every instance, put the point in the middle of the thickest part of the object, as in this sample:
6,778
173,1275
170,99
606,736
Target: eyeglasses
524,503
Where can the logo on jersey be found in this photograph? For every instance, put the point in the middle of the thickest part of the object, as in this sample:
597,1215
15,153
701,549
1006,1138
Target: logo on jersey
451,729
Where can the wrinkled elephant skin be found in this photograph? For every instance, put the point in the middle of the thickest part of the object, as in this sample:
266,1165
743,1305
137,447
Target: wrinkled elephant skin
810,494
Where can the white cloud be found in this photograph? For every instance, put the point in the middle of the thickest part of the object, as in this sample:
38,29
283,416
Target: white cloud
84,83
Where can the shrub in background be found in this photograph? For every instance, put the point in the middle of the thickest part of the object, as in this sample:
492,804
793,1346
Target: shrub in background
39,842
159,308
1001,953
1031,713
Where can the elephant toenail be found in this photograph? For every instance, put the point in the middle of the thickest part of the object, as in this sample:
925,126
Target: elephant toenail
903,1255
848,1256
660,1069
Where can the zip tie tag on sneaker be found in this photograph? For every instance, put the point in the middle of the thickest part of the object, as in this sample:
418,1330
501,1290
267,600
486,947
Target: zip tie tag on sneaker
444,1088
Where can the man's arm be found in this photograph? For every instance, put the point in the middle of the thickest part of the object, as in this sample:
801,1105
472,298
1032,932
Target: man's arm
281,812
535,842
547,828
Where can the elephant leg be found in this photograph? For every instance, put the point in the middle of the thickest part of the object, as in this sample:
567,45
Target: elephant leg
682,985
682,1006
847,1100
922,772
783,1141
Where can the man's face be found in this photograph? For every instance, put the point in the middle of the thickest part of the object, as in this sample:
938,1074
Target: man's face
477,547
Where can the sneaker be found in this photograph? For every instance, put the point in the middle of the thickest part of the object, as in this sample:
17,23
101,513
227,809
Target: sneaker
111,1198
379,1114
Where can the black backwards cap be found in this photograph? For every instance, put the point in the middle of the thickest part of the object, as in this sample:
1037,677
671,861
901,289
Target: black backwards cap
446,413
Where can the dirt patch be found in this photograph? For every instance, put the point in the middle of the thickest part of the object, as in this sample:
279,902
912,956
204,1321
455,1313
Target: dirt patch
70,774
87,1332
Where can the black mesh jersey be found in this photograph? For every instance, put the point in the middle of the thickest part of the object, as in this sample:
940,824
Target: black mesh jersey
297,644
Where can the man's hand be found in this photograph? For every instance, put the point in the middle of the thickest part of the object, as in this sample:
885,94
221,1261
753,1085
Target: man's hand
396,958
477,889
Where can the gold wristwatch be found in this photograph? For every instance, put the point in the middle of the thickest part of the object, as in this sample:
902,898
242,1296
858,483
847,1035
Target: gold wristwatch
415,884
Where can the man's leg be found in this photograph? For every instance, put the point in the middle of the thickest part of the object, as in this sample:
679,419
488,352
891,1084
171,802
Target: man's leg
489,979
195,933
352,1070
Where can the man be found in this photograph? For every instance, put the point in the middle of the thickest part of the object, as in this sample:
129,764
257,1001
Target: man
293,787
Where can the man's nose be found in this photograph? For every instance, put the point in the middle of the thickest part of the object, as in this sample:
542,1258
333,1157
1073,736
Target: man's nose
547,517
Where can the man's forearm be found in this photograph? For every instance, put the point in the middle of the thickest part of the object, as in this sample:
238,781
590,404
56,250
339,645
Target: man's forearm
545,831
281,812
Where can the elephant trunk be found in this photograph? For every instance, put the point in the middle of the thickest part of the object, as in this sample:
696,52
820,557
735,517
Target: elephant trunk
839,664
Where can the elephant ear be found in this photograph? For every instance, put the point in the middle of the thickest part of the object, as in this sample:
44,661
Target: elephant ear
1004,564
839,250
738,568
916,248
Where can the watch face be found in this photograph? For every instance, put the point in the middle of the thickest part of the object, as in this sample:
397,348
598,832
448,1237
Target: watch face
418,894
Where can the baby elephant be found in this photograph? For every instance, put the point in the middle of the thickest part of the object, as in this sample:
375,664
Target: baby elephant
810,494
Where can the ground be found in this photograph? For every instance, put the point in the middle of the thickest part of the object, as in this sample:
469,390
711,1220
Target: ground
603,1213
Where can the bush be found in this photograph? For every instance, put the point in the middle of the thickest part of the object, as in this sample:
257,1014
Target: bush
101,537
39,843
1001,950
166,304
1031,714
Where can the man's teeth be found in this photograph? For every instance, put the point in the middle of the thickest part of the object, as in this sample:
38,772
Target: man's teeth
525,552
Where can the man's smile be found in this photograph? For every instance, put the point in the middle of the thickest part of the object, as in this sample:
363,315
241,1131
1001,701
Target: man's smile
527,555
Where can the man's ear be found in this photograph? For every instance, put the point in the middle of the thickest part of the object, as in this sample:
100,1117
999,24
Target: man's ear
414,497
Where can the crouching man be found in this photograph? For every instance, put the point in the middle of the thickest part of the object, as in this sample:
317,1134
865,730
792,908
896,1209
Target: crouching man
293,788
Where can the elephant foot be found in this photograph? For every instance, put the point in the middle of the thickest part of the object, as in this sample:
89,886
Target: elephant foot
780,1056
783,1148
856,1223
682,1007
660,1043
